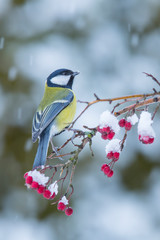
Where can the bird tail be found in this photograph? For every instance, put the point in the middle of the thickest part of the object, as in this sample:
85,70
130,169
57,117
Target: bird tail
42,150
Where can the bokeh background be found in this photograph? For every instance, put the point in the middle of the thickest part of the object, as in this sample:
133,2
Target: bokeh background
111,42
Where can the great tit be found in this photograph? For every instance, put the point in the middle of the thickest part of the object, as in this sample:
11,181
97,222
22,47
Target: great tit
55,112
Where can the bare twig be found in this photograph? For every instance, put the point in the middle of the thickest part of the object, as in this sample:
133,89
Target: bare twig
154,79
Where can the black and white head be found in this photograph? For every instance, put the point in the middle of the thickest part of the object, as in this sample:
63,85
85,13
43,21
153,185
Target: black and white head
61,78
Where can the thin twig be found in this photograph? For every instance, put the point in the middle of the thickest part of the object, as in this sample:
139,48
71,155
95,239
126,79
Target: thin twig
154,79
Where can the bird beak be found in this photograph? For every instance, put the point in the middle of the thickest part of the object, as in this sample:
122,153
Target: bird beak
75,73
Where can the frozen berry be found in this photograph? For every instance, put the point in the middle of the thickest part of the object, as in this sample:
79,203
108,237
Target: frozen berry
106,170
110,155
41,189
110,173
104,136
128,126
122,122
106,129
151,140
116,155
47,194
29,180
61,206
103,166
34,185
110,135
69,211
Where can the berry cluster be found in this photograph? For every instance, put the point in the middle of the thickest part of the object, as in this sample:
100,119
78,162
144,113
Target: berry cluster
129,122
108,125
115,146
106,132
62,206
112,153
39,182
124,123
107,170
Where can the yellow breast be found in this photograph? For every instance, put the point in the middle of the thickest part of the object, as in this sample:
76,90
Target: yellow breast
65,117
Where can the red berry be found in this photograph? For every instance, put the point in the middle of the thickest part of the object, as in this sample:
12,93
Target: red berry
122,122
128,126
110,135
34,185
61,206
47,194
110,173
29,180
110,155
106,170
151,140
104,136
69,211
103,166
106,129
116,155
26,175
41,189
53,196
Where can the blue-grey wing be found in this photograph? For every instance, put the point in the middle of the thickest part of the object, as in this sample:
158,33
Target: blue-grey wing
43,118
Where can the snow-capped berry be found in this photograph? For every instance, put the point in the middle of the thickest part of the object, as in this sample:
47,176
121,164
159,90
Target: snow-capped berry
61,206
107,119
34,185
25,175
106,170
41,189
69,211
47,194
116,156
128,126
110,173
110,155
110,135
146,139
38,177
122,122
29,180
103,166
145,130
113,146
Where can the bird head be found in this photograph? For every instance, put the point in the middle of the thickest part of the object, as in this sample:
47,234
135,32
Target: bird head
61,78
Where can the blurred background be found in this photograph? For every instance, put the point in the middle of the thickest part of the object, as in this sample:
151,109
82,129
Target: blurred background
111,43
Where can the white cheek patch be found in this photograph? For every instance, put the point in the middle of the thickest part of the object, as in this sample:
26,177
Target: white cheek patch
60,80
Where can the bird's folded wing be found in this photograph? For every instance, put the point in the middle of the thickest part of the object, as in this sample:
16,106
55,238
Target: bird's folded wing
43,118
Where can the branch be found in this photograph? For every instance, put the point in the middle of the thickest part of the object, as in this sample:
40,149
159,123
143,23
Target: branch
137,105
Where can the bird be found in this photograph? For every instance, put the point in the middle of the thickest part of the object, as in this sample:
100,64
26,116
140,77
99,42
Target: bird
55,112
